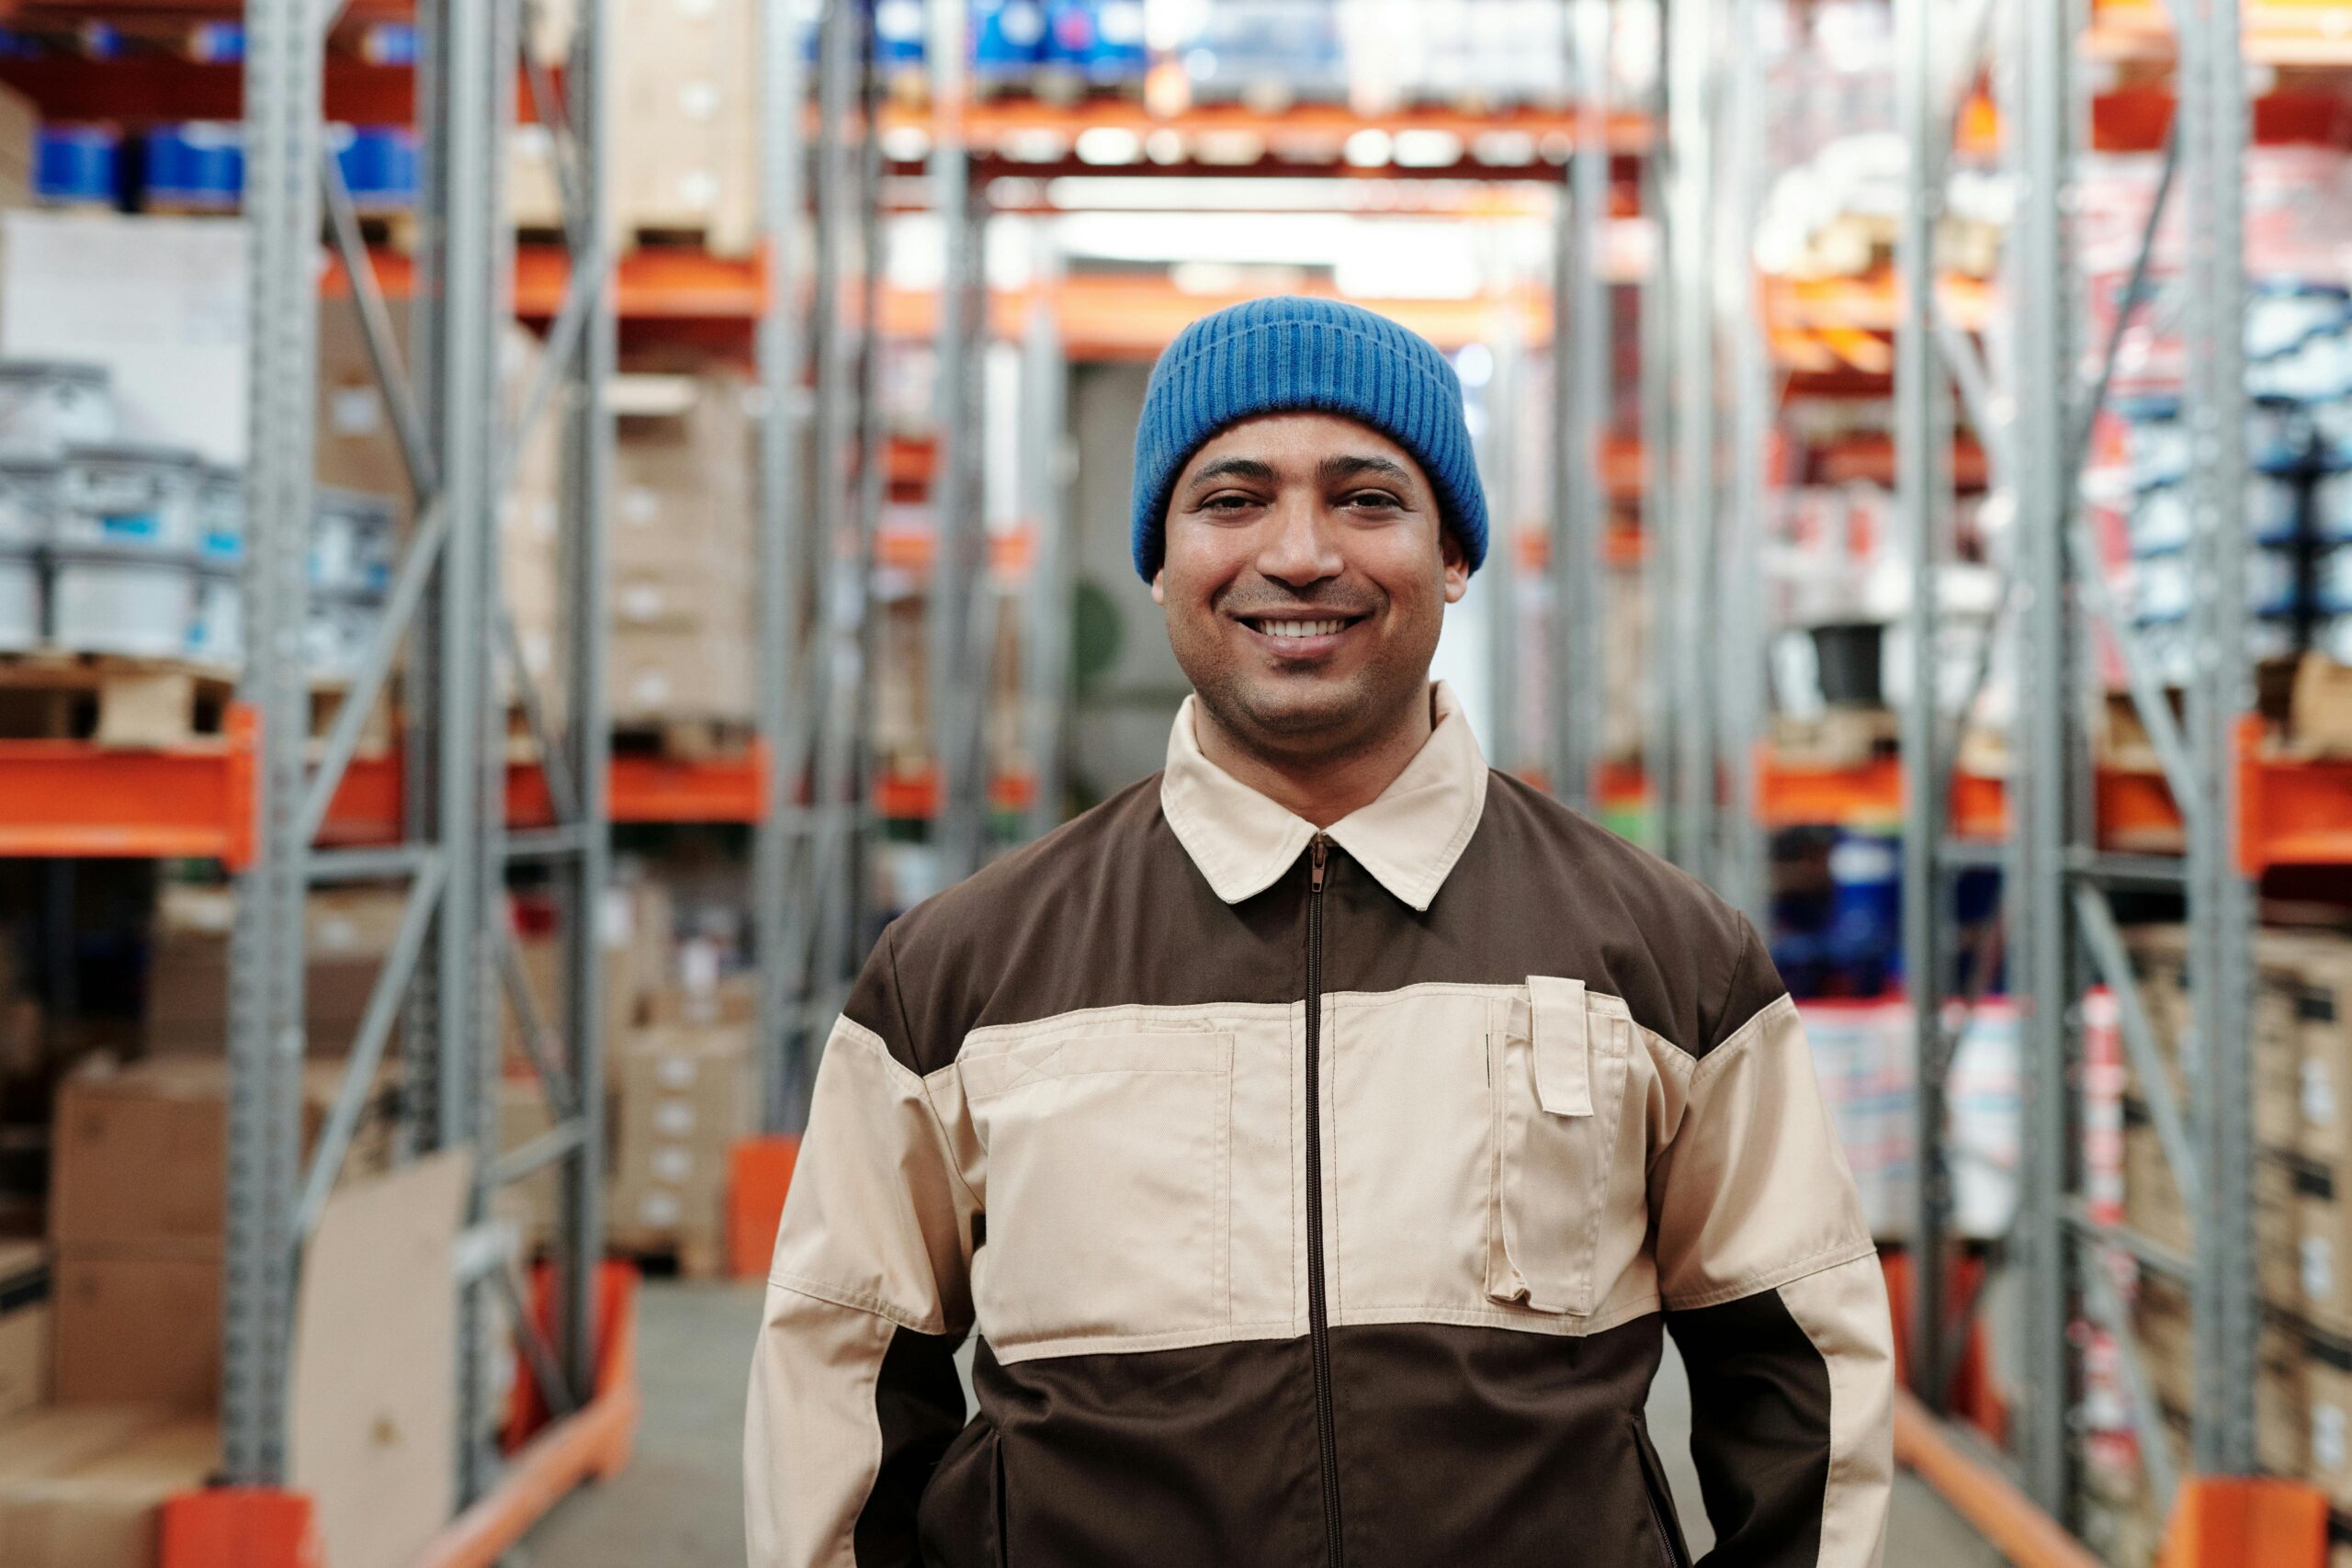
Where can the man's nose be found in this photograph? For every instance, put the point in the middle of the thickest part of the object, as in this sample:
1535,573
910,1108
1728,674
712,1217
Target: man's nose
1299,543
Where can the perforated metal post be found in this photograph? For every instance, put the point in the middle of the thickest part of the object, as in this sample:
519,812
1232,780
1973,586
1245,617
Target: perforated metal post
1582,351
284,76
2214,129
787,701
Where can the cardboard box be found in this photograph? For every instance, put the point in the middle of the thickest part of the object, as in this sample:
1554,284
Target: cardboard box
682,468
139,1154
347,932
24,1327
2151,1201
58,1439
688,92
731,999
529,1205
2161,1321
661,673
2324,1053
138,1327
106,1513
685,1098
2159,955
2282,1420
2320,707
2328,1375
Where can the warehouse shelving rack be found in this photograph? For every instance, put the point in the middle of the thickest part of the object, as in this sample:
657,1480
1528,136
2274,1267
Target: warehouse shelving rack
447,813
2057,826
460,447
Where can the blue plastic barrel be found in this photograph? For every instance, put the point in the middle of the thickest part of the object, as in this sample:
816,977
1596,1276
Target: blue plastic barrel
200,164
79,166
380,165
1007,39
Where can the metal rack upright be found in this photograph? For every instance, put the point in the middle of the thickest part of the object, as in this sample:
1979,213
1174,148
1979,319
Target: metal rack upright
455,947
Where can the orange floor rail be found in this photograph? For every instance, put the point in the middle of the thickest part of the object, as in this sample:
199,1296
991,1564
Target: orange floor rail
239,1527
2004,1515
592,1443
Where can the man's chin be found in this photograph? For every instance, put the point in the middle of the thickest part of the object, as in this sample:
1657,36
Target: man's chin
1301,707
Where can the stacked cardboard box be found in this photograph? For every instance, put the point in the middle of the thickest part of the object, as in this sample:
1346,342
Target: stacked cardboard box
347,932
688,89
137,1201
19,148
81,1487
634,928
24,1327
682,551
686,1097
2301,1046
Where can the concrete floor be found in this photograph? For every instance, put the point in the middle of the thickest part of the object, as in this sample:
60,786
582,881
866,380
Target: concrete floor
680,1502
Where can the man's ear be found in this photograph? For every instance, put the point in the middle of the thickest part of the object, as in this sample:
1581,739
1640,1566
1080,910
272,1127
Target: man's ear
1457,565
1158,594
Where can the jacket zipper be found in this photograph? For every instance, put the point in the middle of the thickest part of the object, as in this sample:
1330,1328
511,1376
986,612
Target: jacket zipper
1319,1312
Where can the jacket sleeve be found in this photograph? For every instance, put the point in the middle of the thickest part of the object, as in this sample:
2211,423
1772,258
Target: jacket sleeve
855,1393
1774,1297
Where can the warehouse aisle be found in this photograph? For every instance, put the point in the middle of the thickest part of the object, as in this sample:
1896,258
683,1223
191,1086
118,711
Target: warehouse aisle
679,1503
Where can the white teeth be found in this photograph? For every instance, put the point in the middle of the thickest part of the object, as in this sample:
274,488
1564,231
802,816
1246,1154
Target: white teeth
1301,628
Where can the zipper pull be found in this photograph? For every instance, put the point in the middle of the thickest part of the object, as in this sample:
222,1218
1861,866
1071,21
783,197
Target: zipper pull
1315,856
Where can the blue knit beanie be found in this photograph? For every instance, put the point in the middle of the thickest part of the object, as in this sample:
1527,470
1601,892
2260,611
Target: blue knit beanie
1291,353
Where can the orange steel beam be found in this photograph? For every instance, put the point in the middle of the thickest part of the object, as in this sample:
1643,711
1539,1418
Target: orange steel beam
592,1443
76,798
2290,811
2003,1515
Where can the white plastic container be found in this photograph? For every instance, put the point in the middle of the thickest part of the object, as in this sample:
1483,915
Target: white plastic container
128,599
133,496
27,500
21,594
337,635
351,542
221,515
216,633
46,407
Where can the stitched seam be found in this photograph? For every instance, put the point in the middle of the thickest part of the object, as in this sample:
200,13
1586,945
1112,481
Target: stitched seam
1773,1279
947,1147
858,1301
1741,1038
1179,1018
846,1028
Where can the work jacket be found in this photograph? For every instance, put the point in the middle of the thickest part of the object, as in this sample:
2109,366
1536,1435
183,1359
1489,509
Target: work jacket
1319,1198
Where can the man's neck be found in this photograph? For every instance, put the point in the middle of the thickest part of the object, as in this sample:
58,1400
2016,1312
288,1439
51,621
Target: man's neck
1322,789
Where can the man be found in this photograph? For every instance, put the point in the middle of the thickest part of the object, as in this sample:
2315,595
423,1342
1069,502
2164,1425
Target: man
1320,1133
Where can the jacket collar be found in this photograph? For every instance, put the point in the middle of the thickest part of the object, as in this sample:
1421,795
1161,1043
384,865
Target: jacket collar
1408,838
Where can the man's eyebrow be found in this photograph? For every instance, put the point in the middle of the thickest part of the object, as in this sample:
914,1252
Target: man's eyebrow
1232,469
1348,467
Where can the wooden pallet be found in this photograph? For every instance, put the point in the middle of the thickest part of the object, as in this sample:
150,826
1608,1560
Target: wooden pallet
112,700
658,1254
682,739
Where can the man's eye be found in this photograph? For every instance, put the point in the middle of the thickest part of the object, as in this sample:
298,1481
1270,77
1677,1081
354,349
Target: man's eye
1375,498
1229,502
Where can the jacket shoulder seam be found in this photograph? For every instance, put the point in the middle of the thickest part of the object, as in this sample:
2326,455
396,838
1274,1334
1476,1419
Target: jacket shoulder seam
858,1301
847,1029
1746,1035
1773,1279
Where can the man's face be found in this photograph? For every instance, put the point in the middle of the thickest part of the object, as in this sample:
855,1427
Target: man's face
1305,575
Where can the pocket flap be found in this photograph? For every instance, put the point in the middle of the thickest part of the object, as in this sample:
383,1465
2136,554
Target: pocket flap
1563,1045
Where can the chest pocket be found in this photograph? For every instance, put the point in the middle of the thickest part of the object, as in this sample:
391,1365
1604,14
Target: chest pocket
1107,1172
1560,1071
